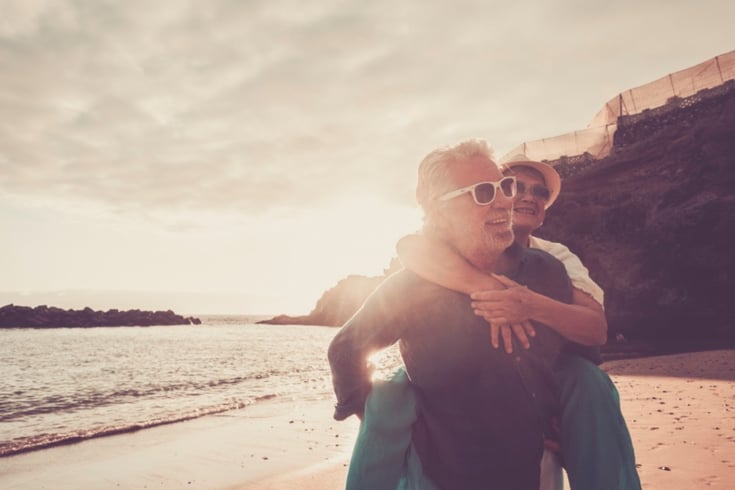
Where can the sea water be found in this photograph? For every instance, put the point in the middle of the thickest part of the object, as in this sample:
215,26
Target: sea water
62,385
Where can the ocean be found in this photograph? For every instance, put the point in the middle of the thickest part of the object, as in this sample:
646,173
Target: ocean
63,385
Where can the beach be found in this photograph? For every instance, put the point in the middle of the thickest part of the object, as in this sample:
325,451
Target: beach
680,410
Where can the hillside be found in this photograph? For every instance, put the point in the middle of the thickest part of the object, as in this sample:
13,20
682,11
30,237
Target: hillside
653,221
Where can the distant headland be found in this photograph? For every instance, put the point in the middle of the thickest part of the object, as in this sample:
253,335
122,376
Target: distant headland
13,316
339,303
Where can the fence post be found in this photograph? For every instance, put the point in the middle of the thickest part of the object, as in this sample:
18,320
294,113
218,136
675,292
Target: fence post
719,70
673,89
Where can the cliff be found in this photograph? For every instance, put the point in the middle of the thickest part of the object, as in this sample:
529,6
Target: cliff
654,222
12,316
339,303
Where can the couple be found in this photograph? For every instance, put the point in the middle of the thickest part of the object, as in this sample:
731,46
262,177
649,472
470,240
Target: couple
474,416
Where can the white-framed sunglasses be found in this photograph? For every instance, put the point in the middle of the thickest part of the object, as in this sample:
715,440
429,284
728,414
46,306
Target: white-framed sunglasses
484,192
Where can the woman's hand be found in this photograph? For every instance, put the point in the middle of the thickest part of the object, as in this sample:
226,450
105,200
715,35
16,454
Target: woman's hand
522,332
507,312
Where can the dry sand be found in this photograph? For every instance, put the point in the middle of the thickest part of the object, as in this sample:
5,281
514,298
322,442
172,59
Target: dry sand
680,410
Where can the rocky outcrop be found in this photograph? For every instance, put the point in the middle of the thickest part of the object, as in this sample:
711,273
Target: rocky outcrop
339,303
12,316
654,222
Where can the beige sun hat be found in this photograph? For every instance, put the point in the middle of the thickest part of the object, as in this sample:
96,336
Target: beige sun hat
551,176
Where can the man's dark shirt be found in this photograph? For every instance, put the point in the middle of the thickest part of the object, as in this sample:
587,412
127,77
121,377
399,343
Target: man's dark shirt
482,412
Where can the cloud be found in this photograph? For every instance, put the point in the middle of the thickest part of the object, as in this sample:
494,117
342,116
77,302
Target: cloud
255,107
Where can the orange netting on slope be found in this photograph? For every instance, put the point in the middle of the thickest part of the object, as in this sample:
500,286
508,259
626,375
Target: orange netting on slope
597,138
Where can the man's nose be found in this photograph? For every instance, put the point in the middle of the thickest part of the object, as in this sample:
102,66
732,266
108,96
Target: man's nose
502,201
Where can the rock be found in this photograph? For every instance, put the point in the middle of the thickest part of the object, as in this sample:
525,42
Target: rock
339,303
12,316
654,223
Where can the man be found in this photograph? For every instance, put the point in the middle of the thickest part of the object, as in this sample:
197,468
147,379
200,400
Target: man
596,445
482,414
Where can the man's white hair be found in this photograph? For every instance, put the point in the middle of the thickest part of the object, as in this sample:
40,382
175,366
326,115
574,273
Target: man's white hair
434,168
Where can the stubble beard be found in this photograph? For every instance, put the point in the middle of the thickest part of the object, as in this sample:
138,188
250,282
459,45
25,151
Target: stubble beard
489,247
481,248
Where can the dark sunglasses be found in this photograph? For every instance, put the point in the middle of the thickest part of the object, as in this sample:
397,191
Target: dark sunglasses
484,192
539,191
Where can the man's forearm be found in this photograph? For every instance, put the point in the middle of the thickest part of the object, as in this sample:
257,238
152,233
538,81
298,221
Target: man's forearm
350,375
376,325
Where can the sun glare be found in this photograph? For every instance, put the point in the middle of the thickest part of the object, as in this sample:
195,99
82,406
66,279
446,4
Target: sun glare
365,233
356,237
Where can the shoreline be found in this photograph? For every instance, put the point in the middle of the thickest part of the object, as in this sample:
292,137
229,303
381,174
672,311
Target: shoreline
114,431
678,407
225,450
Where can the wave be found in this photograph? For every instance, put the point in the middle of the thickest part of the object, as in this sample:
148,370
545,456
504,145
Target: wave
19,409
44,441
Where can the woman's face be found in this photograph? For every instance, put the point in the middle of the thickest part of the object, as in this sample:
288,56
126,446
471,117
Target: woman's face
529,204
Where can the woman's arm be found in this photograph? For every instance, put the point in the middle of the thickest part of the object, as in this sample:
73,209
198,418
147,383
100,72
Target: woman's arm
503,303
583,321
438,263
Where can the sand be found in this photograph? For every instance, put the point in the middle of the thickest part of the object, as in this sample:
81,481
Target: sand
680,410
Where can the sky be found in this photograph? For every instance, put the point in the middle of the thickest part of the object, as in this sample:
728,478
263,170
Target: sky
243,156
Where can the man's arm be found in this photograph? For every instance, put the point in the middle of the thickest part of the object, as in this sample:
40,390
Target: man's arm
583,321
376,325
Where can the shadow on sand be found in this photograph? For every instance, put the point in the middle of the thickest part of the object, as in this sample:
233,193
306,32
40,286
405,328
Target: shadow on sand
705,363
